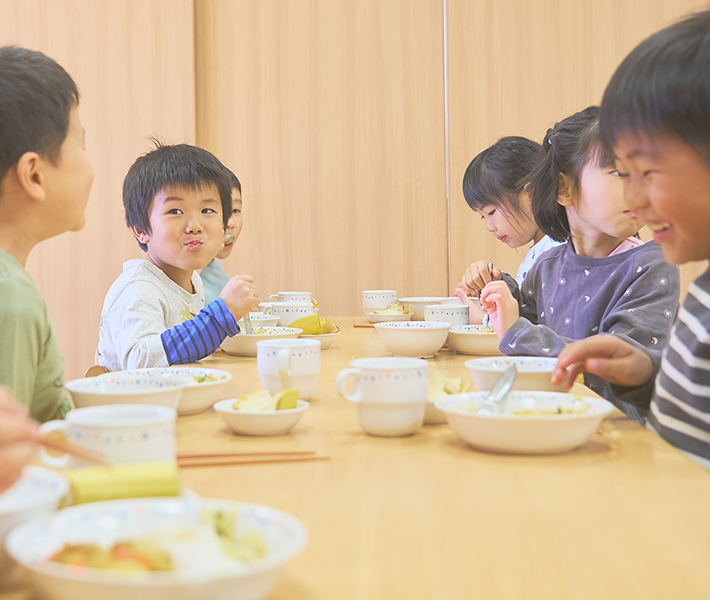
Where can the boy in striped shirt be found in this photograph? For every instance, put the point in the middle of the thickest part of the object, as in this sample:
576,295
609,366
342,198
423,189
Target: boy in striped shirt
656,116
178,201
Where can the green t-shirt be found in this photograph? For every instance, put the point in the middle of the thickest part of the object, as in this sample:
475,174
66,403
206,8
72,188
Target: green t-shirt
31,362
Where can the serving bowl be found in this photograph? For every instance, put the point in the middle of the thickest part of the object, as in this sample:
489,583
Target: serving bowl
534,373
326,339
197,396
261,422
418,305
32,544
416,339
244,344
119,388
524,434
37,492
375,318
473,339
456,315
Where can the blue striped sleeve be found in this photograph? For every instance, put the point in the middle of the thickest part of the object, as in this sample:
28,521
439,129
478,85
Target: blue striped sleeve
200,336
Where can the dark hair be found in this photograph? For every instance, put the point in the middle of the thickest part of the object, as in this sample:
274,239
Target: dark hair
567,148
234,181
184,165
36,97
498,174
663,87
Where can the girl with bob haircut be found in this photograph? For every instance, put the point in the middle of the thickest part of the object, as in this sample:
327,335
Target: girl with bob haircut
601,280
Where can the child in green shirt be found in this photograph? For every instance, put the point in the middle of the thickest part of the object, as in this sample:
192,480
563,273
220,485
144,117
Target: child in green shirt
45,179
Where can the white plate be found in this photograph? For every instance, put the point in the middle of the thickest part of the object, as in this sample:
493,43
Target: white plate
326,339
373,318
31,544
244,344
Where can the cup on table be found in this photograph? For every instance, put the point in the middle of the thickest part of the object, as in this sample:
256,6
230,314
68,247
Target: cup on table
451,313
289,311
377,300
123,433
390,393
290,297
289,364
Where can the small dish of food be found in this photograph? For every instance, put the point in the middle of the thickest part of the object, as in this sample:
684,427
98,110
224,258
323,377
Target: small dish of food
244,344
418,305
473,339
261,413
530,423
204,386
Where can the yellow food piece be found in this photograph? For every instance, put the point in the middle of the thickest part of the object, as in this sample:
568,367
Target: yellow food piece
315,325
286,399
262,400
439,386
396,308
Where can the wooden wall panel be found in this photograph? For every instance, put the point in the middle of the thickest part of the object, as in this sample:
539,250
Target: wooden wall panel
133,63
515,67
331,113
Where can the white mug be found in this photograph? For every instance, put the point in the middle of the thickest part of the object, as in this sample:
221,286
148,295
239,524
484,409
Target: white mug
123,433
289,311
454,314
290,297
390,393
377,300
289,364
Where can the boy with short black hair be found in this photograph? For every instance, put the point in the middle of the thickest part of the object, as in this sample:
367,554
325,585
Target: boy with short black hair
45,179
656,116
178,203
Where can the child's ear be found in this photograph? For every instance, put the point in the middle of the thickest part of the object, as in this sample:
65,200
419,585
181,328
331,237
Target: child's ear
30,176
565,189
142,236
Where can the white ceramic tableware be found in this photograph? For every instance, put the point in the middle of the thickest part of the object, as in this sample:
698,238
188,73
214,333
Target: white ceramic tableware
415,339
418,305
456,315
377,300
289,364
373,318
290,297
261,422
473,339
524,434
451,301
326,339
289,311
123,433
197,396
534,373
32,544
390,393
244,344
114,388
37,492
259,319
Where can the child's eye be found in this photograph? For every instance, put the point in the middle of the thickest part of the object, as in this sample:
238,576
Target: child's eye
490,214
208,211
615,173
174,211
236,211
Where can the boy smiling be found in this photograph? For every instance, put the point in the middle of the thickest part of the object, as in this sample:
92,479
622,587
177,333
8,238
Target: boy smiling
178,202
656,116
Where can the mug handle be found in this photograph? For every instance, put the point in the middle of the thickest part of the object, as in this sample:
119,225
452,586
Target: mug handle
341,380
59,462
284,364
268,309
276,296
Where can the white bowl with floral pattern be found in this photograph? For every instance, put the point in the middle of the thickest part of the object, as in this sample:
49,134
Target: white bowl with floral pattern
244,344
417,339
534,373
473,339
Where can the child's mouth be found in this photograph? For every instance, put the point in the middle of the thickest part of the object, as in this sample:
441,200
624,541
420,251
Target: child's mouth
194,244
503,239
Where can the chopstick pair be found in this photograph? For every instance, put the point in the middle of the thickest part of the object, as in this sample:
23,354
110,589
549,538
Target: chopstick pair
244,458
73,449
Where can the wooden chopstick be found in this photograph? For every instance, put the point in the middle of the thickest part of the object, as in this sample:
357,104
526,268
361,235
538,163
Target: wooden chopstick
363,325
253,453
73,449
245,460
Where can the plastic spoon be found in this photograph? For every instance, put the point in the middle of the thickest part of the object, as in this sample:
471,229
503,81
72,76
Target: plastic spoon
500,391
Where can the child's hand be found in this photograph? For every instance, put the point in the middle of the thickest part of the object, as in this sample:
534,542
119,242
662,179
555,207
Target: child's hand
605,355
500,305
477,276
18,434
475,314
240,295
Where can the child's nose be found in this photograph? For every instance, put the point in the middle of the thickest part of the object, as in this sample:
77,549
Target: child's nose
635,195
194,225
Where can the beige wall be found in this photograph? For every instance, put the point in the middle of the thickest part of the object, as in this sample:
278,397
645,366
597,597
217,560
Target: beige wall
331,112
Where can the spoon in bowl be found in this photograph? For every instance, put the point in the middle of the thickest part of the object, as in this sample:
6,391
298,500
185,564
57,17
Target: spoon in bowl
501,388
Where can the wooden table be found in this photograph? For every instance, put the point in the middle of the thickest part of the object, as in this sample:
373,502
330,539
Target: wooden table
427,517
